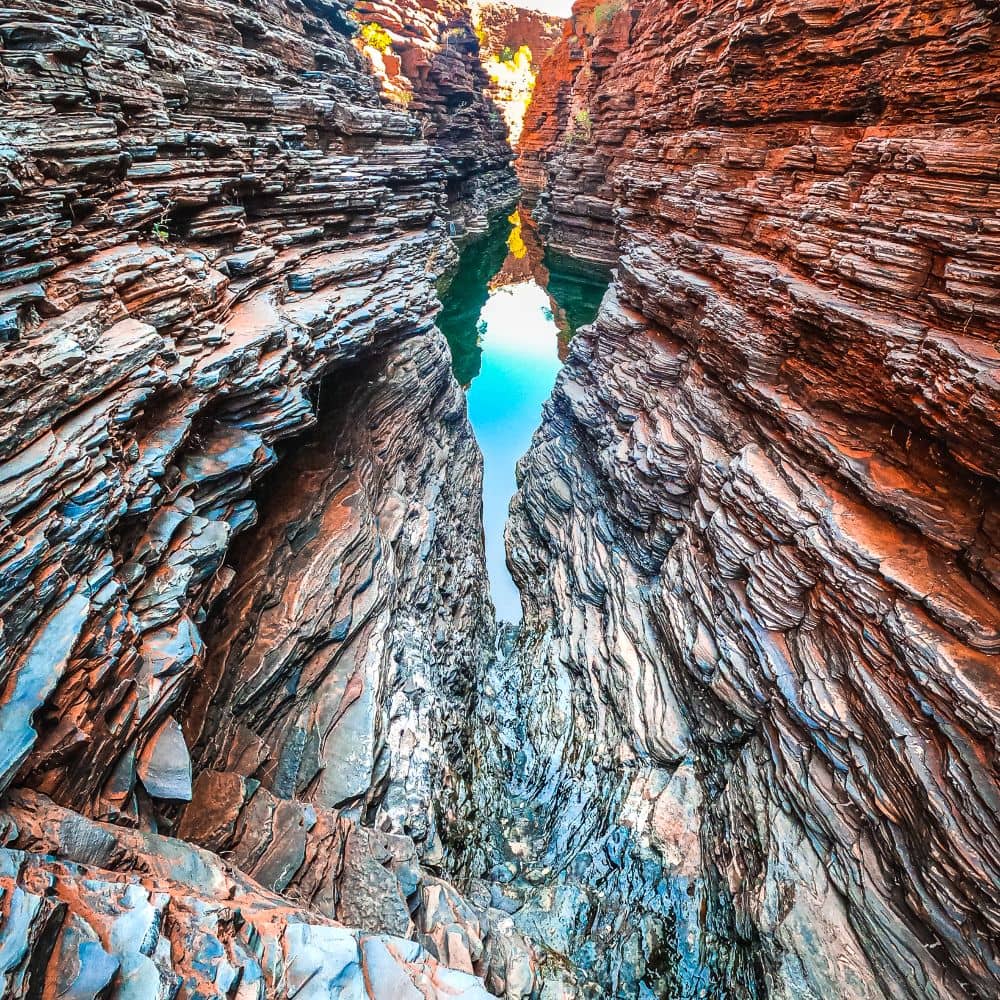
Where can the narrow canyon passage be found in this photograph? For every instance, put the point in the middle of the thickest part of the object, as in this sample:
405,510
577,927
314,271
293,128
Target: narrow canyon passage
508,319
500,501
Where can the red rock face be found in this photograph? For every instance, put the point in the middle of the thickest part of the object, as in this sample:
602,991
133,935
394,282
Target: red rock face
769,475
502,25
548,117
559,161
746,743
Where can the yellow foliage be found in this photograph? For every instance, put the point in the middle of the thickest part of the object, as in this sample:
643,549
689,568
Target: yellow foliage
515,242
376,36
514,80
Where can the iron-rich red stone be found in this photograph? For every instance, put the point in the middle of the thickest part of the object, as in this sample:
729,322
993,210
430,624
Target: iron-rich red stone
763,501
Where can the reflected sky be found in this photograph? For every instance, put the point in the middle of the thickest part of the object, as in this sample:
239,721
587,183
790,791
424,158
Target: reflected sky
508,317
520,360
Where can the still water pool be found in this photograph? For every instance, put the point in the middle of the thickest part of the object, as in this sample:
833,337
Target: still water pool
508,316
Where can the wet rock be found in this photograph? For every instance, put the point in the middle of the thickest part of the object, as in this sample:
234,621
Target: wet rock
164,768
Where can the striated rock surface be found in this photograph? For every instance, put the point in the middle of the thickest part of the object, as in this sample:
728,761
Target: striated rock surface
241,570
574,833
426,54
756,535
255,724
564,172
513,42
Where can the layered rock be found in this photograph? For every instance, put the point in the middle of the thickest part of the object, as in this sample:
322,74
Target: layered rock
756,534
743,744
564,173
92,908
242,575
426,54
513,42
573,833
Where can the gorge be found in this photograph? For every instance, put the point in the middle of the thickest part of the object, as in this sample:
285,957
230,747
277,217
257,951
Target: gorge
263,730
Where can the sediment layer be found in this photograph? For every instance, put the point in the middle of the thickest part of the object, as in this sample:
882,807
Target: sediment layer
254,723
756,533
513,43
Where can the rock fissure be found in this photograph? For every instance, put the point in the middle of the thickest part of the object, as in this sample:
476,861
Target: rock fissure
261,734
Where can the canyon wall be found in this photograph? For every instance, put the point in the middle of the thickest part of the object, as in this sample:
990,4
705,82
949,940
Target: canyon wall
513,42
255,722
564,173
243,592
425,52
757,533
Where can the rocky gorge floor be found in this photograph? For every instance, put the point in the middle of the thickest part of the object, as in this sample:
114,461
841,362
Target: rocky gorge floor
260,734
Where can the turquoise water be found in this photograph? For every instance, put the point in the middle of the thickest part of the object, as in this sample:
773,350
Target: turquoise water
507,333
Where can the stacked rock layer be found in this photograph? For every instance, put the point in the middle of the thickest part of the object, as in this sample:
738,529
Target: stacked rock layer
502,25
745,742
241,571
757,533
564,173
425,52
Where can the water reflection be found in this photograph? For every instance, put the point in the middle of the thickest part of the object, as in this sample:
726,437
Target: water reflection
508,319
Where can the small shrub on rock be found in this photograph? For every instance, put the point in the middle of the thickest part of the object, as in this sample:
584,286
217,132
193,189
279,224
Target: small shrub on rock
376,36
583,127
604,13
